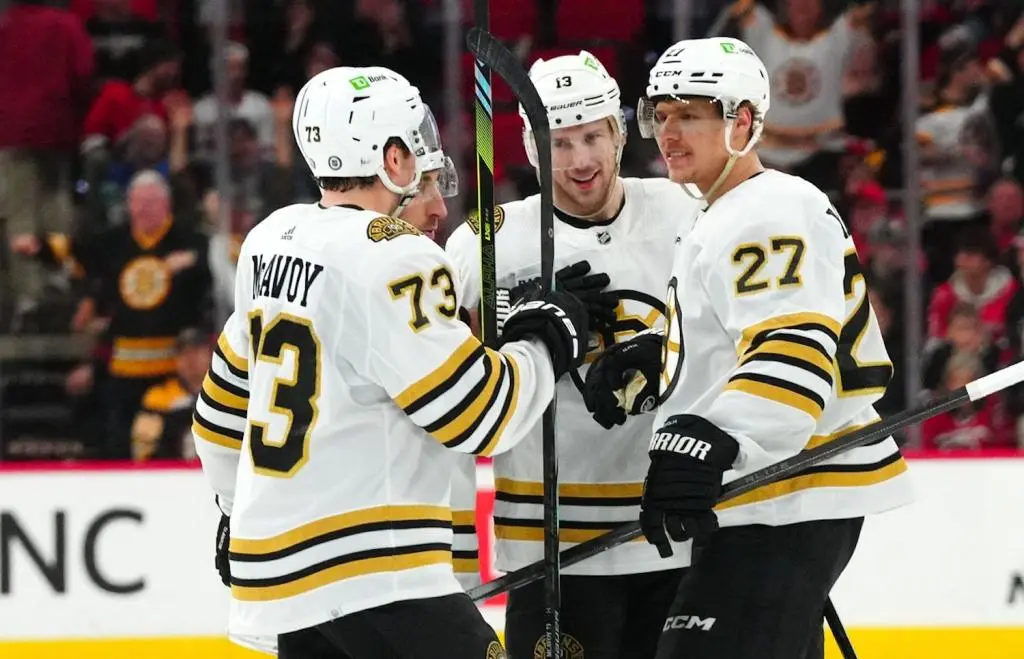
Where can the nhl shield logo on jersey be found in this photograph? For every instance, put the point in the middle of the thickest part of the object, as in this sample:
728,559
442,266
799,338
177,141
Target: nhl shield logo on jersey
473,219
571,648
145,282
386,227
495,651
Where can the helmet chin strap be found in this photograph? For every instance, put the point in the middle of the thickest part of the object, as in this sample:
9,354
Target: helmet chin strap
734,155
405,193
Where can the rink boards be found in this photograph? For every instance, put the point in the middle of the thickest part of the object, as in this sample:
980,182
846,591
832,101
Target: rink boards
114,563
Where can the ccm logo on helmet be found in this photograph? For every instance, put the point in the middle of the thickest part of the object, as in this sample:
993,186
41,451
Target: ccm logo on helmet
688,622
666,74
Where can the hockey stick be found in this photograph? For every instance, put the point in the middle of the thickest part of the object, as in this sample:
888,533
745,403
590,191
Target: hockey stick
485,183
838,631
972,391
491,52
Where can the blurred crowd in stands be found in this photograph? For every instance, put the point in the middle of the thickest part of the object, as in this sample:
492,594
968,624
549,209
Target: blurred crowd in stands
114,216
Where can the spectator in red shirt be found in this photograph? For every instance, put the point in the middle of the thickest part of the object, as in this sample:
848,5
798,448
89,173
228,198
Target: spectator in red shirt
971,426
120,104
977,280
46,67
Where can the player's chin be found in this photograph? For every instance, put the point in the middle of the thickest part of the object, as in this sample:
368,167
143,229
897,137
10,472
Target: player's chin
681,172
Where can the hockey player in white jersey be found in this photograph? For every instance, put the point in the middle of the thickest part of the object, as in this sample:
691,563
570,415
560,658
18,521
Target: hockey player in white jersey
344,376
771,348
613,238
427,212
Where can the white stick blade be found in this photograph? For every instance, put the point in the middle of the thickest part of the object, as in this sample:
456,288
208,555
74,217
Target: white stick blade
993,382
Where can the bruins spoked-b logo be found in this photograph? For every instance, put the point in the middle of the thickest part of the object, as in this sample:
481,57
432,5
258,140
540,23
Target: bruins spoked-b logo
386,227
636,312
672,349
145,283
473,219
571,648
495,651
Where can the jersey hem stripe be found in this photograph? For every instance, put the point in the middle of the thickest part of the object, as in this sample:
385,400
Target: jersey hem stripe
335,523
825,476
339,568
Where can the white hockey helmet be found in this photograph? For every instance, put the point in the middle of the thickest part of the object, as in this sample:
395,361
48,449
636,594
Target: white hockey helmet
344,116
575,89
723,69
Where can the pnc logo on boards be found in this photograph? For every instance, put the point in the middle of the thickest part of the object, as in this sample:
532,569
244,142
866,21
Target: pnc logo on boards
49,553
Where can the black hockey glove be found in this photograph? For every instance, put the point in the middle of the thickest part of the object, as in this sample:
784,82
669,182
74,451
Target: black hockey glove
223,540
625,379
577,280
688,454
558,319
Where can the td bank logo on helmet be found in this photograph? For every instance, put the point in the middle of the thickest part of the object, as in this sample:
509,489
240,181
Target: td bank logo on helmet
362,82
688,622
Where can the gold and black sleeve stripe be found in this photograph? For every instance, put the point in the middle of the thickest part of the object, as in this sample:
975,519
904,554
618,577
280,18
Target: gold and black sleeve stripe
793,350
216,434
343,565
221,411
462,394
235,363
788,360
218,391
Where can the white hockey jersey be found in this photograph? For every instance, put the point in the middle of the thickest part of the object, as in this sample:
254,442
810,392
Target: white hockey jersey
601,472
771,337
339,386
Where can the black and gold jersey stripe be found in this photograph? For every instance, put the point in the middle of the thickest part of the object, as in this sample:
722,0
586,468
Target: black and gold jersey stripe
467,402
532,530
830,475
625,496
465,552
343,565
222,407
570,494
789,360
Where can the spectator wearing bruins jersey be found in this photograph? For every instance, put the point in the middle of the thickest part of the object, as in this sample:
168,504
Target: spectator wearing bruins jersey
163,427
147,280
622,229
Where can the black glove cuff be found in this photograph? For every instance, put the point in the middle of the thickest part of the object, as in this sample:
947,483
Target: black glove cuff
696,438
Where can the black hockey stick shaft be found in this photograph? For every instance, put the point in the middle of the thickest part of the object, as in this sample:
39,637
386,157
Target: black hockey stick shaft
484,113
838,631
502,62
874,432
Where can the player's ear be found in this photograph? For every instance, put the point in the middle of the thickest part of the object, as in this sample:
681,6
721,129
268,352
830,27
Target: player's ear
398,160
743,128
